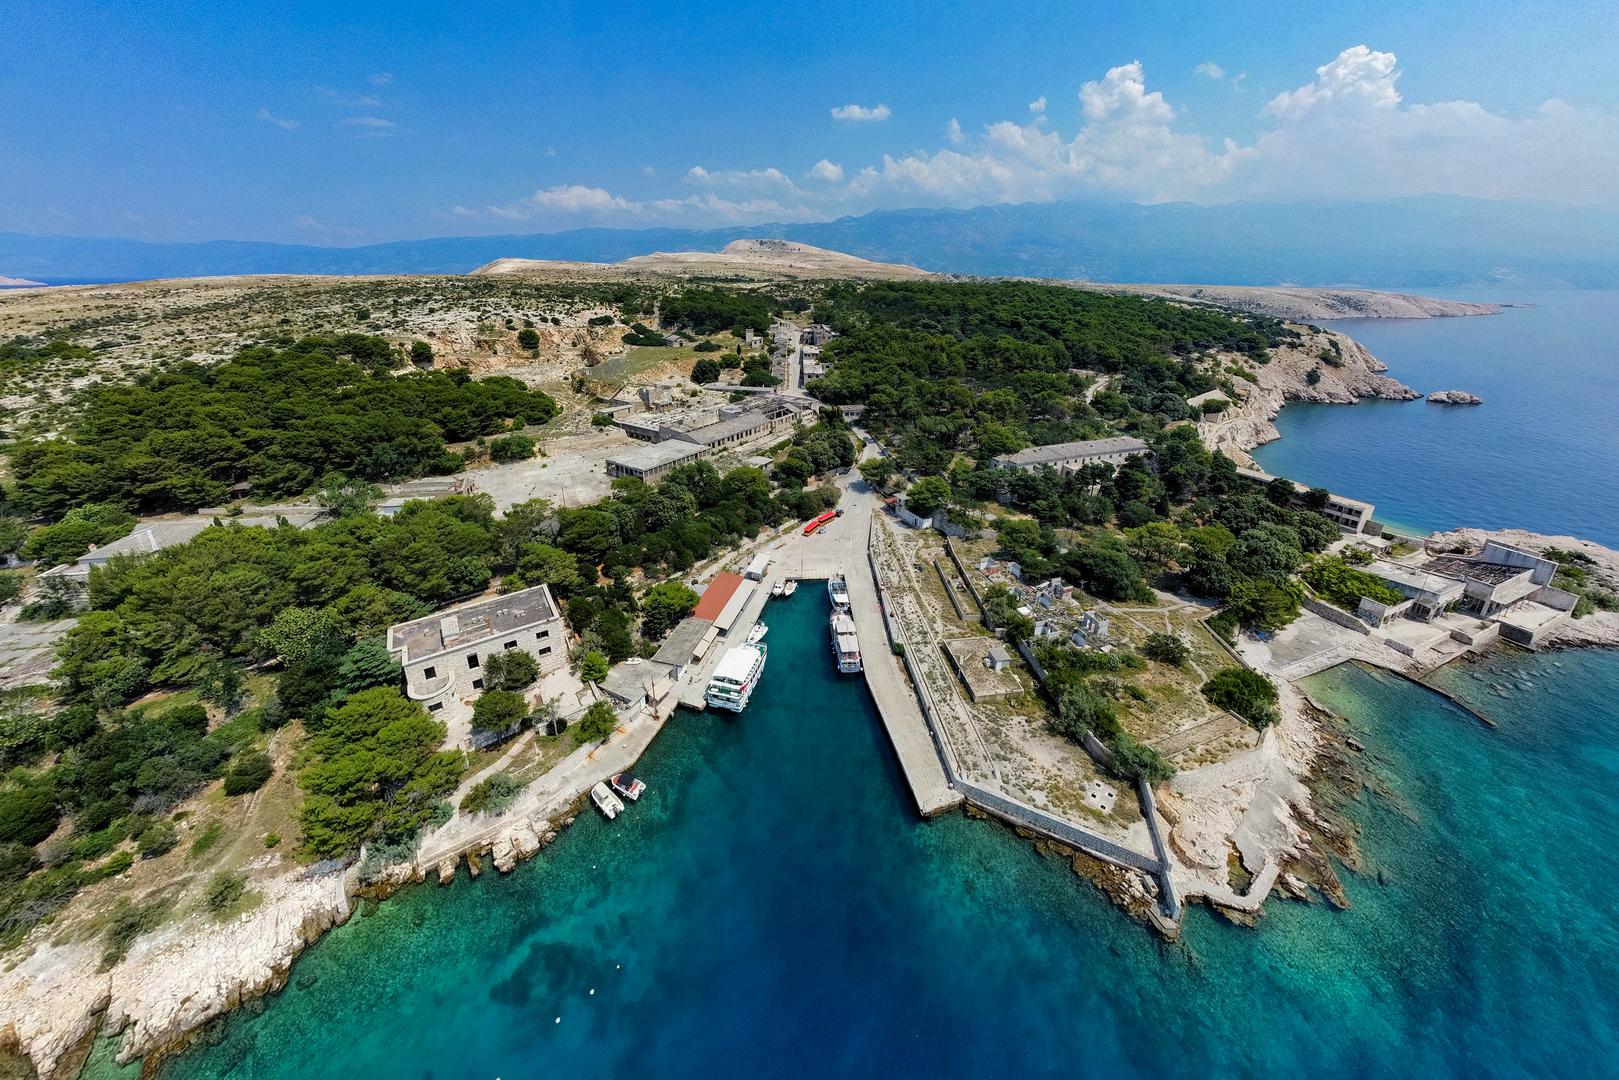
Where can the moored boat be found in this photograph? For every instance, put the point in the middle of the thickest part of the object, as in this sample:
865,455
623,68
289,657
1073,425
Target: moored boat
609,804
628,786
736,677
757,633
845,642
778,589
790,588
837,590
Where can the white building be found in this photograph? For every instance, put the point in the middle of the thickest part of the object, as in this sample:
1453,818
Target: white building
1065,457
443,653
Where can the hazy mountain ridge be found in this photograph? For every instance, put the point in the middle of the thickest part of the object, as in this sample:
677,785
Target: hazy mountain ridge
1429,242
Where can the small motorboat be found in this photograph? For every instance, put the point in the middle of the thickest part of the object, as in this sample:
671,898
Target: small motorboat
758,633
609,804
778,589
790,588
628,786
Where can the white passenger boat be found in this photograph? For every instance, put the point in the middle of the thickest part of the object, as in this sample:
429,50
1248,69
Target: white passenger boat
736,677
837,590
757,633
609,804
628,786
778,589
790,588
845,642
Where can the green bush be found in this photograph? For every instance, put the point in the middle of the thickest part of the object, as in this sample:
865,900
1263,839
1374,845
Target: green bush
248,772
510,448
498,710
528,339
127,923
28,812
491,795
224,889
158,838
511,669
1166,649
1340,584
596,724
707,346
1247,693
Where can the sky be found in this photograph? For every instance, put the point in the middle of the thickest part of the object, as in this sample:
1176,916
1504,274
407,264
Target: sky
349,123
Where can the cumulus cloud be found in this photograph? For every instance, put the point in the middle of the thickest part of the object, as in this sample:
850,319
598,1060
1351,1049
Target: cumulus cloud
1038,105
828,171
1209,70
281,122
861,114
1346,134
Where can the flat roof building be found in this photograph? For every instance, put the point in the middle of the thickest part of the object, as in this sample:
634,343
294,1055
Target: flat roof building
1351,515
686,644
443,653
652,461
717,595
1074,455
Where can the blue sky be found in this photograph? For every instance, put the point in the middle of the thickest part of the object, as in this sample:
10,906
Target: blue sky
347,123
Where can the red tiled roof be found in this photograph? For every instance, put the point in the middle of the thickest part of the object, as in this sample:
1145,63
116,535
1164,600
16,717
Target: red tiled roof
716,596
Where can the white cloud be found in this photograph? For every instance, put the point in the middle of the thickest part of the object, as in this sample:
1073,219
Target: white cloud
1209,70
381,78
375,127
828,171
349,101
281,122
861,114
1038,105
1346,134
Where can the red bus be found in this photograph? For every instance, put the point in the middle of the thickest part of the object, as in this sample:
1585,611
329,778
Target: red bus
829,516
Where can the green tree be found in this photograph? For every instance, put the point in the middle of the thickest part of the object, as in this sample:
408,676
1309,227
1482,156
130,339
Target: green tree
511,669
528,338
341,496
421,354
706,370
1261,605
664,605
498,710
928,495
877,472
81,529
597,723
1247,693
509,448
593,667
224,889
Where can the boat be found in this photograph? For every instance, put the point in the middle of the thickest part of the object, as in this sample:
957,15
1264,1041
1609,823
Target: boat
837,590
736,676
845,642
628,786
757,633
790,588
778,589
609,804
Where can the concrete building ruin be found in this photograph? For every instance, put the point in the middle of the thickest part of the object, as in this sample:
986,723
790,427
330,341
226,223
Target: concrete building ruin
1069,456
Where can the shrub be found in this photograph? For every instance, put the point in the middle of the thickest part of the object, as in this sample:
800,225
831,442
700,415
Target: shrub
1166,649
271,839
708,346
705,371
206,839
510,448
596,724
497,710
601,419
28,812
224,889
421,354
528,339
1247,693
491,795
156,839
593,667
512,669
247,773
128,922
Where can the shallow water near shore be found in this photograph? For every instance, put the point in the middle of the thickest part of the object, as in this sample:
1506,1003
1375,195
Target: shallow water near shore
772,907
1540,453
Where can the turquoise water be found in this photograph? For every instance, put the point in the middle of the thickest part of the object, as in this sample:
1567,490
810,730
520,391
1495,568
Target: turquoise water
772,908
1540,453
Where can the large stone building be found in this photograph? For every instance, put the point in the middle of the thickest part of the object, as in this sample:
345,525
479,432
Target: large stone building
1066,457
1350,515
649,463
443,654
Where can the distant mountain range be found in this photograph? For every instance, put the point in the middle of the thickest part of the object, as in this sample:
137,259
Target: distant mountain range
1429,242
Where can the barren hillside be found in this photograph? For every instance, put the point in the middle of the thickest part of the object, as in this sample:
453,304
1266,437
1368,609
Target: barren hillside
752,258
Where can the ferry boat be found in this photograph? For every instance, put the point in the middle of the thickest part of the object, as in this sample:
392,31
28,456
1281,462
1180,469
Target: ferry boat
758,633
845,643
628,786
736,677
609,804
837,589
790,588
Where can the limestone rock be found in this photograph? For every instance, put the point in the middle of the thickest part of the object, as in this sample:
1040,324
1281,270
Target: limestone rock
1454,397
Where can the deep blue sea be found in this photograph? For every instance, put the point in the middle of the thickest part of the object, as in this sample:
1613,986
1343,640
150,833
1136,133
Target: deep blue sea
1541,453
773,908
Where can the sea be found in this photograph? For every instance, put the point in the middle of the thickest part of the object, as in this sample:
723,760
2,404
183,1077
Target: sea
1541,453
773,907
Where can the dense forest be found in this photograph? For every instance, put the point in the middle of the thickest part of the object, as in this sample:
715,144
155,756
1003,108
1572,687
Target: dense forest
711,310
990,368
276,419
